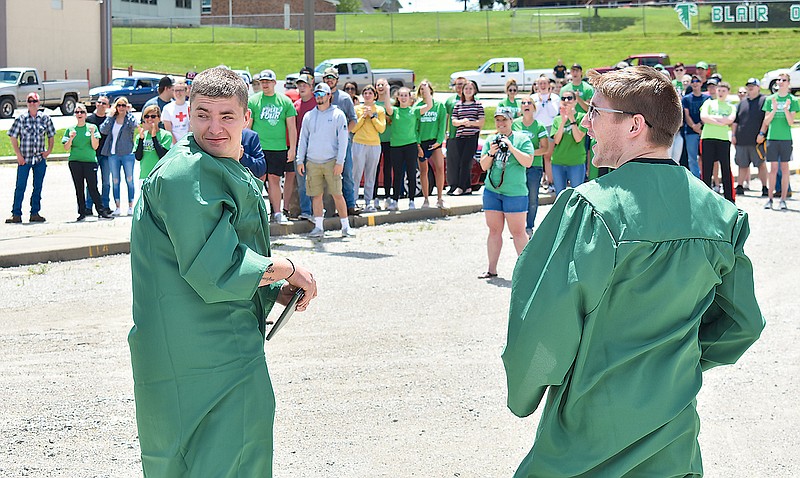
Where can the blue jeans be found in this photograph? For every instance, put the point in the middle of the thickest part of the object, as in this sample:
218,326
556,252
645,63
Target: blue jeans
302,197
22,182
692,142
105,179
348,186
534,174
575,175
126,161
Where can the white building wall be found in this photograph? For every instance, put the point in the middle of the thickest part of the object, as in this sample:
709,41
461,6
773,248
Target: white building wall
138,14
40,34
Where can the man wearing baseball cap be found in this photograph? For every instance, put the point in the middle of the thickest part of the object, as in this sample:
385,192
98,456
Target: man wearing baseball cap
322,160
306,103
27,139
272,117
164,96
331,78
583,90
745,128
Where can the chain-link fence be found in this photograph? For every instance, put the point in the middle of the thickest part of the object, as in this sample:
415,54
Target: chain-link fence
665,18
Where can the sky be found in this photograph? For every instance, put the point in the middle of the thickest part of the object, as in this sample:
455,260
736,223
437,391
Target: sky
434,5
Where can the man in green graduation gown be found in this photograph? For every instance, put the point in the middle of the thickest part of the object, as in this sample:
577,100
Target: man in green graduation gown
633,285
203,283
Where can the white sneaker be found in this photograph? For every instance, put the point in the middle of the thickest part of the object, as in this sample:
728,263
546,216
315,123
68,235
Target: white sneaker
393,205
279,218
411,205
425,204
316,232
440,204
387,203
116,212
348,233
377,205
370,208
307,217
768,205
783,205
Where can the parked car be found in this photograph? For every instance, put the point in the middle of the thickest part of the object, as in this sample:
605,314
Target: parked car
137,89
495,72
17,83
794,78
359,71
653,59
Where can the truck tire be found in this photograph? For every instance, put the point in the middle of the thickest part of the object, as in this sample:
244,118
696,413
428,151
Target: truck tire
773,86
7,107
68,106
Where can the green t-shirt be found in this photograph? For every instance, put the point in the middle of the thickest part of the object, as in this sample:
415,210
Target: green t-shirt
404,126
449,104
535,132
716,108
514,106
515,179
386,136
432,124
81,144
269,119
568,152
584,91
149,155
779,128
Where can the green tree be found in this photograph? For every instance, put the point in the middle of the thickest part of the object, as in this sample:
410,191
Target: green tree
349,6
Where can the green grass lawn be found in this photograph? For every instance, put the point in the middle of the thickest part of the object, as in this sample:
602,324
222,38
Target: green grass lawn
7,150
437,60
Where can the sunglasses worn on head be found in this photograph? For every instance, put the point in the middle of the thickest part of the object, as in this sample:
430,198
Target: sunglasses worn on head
150,116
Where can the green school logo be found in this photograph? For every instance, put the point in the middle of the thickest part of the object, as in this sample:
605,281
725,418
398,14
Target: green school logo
685,13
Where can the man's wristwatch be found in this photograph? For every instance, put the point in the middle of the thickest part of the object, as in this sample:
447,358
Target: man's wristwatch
374,115
761,133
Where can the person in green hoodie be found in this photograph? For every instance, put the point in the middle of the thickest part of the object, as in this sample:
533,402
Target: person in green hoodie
632,287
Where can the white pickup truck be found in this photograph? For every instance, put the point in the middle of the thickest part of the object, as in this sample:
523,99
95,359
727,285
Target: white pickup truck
17,83
794,78
358,70
493,75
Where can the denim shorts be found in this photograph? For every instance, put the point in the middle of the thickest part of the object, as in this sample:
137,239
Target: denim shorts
427,153
493,201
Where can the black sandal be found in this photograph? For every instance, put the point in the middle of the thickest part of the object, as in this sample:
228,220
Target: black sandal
487,275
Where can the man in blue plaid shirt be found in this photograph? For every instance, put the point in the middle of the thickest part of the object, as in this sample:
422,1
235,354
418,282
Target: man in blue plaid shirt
27,138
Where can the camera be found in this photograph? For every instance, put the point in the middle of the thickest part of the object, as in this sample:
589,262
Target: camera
500,144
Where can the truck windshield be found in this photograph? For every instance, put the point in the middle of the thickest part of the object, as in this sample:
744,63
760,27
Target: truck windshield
9,77
122,82
322,66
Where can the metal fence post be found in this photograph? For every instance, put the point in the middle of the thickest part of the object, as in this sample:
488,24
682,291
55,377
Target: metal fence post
644,28
170,29
344,26
391,26
131,34
438,34
539,15
487,25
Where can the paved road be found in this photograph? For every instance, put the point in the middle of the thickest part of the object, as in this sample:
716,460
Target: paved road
393,372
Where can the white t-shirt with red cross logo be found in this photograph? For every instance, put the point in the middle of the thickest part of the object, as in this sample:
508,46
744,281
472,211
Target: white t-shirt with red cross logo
178,115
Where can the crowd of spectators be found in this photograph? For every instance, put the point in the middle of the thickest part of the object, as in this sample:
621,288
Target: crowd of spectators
407,133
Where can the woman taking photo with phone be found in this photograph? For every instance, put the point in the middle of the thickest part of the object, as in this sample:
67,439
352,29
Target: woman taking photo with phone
120,126
505,157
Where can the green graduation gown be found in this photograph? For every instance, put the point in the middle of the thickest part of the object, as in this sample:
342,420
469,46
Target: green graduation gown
632,286
199,247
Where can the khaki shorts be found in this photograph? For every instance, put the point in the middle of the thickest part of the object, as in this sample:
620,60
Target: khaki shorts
320,175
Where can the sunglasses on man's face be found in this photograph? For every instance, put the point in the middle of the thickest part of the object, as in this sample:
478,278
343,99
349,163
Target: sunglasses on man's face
696,81
33,101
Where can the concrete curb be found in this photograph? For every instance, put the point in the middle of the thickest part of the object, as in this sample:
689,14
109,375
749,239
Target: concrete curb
96,247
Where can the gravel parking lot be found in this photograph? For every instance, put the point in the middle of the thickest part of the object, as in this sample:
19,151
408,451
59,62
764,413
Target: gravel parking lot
394,371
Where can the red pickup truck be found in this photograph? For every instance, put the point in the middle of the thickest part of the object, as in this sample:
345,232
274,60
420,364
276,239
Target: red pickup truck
653,59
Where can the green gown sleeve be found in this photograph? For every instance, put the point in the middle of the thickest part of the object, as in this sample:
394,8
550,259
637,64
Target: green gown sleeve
733,321
559,278
199,219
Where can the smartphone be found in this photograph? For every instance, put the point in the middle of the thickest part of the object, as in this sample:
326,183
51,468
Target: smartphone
287,313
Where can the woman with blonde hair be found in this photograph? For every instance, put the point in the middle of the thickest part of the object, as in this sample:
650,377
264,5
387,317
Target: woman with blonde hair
152,142
431,129
537,133
119,126
510,101
367,144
